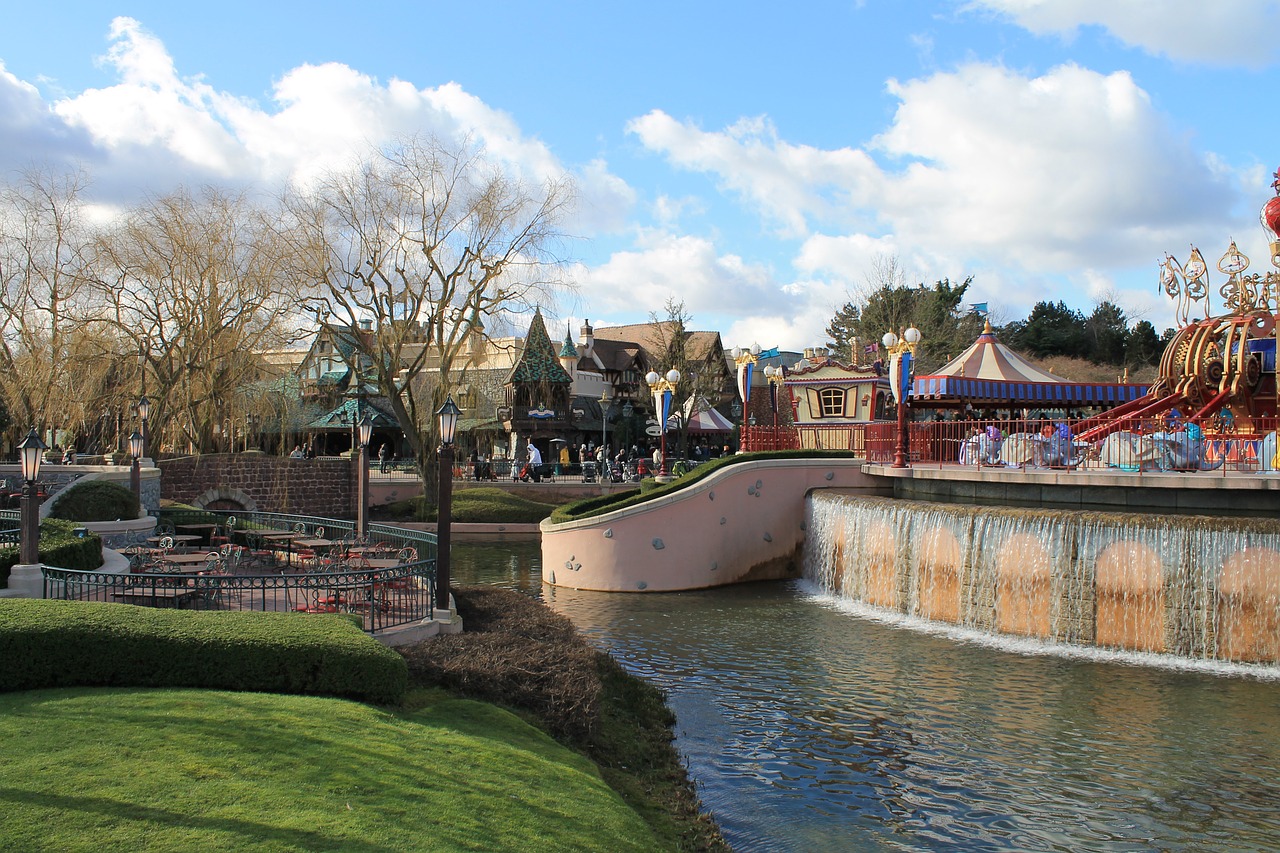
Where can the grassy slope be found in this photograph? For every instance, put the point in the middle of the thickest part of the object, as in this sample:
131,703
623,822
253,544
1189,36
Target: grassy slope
90,769
481,506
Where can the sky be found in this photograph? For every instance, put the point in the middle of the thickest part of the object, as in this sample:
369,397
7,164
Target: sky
755,162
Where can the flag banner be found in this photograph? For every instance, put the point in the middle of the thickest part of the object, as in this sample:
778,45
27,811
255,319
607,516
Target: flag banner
870,348
978,307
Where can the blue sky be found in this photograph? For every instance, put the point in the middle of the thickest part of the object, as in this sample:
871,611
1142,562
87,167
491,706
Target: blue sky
750,160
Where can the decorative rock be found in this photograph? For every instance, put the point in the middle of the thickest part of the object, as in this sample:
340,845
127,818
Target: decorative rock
711,495
608,533
831,475
722,519
751,490
641,585
714,565
768,537
657,545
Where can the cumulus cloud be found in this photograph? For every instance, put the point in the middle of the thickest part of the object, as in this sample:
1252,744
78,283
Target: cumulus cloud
156,128
685,268
1222,32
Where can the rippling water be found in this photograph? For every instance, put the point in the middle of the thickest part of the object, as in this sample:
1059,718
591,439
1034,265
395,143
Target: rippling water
810,728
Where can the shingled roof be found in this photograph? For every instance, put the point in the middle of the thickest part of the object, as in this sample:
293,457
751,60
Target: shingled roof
538,362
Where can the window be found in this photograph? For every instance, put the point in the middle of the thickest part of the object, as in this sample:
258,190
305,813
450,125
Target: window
832,402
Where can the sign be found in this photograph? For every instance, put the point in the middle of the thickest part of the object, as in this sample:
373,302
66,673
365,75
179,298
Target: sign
652,430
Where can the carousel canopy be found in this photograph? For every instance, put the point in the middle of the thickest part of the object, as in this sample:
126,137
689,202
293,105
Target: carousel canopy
988,372
706,419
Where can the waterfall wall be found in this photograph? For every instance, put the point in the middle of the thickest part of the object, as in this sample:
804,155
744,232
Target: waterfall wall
1193,586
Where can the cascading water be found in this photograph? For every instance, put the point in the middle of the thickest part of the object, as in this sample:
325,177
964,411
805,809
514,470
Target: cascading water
1194,587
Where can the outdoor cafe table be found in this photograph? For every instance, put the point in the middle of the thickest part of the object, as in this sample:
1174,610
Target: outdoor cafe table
191,559
207,527
288,537
178,538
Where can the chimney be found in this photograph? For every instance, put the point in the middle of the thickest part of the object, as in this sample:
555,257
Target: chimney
588,336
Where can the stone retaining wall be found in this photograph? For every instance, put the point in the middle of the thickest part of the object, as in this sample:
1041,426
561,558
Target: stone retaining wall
253,481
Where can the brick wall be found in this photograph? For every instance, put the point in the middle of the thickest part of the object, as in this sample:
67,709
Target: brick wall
256,481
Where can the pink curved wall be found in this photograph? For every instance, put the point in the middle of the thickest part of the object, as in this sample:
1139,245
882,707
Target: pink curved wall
741,523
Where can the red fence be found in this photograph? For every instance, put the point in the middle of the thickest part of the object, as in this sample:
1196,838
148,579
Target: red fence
1164,445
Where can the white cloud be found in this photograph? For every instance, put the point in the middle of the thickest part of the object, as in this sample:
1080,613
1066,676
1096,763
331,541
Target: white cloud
669,266
1220,32
791,185
155,128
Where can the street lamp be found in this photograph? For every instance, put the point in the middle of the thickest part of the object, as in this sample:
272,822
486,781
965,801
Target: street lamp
362,509
135,468
448,415
144,409
31,452
775,376
663,387
605,400
901,355
745,359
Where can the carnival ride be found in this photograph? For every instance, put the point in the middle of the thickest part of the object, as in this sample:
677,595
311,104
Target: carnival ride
1220,369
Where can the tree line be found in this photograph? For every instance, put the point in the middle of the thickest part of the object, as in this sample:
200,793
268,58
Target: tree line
948,326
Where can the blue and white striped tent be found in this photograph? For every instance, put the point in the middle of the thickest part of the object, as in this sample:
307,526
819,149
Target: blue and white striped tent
989,373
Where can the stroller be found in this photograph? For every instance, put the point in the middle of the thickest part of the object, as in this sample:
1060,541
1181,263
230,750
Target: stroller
588,472
615,472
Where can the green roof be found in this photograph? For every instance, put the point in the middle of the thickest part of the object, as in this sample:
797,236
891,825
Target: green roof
538,362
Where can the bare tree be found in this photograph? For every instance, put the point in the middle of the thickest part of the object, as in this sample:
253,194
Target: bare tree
413,251
43,375
197,284
698,358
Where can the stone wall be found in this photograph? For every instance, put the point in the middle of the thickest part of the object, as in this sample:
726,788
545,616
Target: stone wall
256,481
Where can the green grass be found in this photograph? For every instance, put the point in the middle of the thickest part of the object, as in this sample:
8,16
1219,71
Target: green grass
483,506
152,770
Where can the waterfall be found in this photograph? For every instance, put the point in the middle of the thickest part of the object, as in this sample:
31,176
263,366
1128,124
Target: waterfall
1190,586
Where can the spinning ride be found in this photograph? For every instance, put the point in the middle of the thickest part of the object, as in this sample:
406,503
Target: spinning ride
1220,368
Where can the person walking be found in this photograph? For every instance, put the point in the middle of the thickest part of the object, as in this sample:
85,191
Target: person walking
384,457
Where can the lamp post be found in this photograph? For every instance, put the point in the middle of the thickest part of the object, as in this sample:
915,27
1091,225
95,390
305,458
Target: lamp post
31,454
448,415
745,359
605,400
362,508
775,376
144,409
135,467
901,354
663,387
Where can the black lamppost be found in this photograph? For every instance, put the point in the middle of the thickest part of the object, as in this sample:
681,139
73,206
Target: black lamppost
31,453
901,355
362,477
448,415
135,469
144,409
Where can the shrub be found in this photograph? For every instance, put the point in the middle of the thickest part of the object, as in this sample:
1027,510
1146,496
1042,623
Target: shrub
519,653
95,500
59,546
45,643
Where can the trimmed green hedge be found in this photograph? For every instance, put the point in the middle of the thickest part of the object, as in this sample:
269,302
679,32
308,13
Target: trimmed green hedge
59,546
46,643
590,507
95,500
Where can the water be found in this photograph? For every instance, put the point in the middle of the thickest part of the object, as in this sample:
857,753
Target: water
811,727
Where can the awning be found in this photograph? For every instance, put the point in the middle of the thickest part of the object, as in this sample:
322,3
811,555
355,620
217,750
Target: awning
995,392
707,419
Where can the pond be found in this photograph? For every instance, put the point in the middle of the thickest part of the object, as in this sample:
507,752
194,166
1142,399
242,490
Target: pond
810,726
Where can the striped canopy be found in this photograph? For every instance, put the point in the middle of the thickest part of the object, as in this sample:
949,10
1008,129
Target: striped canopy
989,372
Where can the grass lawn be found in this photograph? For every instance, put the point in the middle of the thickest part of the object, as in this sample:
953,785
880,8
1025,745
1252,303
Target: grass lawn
124,769
482,505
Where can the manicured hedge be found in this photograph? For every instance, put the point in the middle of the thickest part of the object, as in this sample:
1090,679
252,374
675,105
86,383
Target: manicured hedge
95,500
59,546
73,643
589,507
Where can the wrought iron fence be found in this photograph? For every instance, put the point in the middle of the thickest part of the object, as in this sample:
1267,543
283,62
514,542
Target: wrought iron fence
242,569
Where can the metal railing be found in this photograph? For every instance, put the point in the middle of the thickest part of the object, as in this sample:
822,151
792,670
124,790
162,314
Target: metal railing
384,597
1133,445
